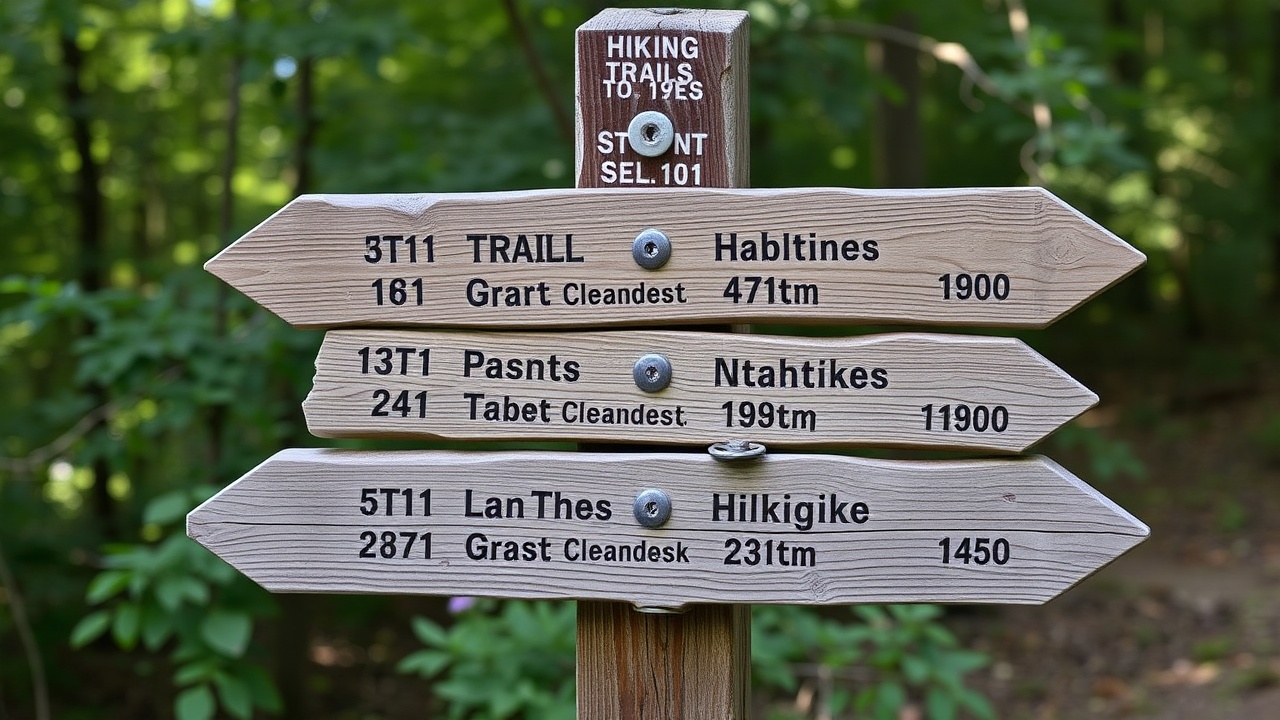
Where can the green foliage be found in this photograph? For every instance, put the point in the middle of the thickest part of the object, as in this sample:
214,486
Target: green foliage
1109,458
527,650
908,655
514,662
175,593
133,383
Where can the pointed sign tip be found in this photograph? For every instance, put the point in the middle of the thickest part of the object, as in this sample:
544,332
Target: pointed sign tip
213,266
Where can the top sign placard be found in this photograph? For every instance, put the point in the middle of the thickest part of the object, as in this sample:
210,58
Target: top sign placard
689,65
568,258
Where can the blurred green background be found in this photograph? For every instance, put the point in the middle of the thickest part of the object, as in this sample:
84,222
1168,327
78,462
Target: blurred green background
138,137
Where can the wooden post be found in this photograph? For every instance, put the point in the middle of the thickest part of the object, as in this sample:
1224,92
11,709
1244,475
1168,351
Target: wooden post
691,66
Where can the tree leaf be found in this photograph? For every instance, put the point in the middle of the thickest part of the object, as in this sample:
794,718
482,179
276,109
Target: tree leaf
194,704
172,590
90,628
167,508
915,669
106,585
940,705
261,688
198,671
890,697
156,626
976,704
424,662
235,696
429,633
128,621
227,632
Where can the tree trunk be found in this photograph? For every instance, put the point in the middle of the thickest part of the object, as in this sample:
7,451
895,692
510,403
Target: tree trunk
297,612
1274,170
898,150
90,246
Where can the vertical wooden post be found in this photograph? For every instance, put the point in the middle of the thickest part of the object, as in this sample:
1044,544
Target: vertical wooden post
691,66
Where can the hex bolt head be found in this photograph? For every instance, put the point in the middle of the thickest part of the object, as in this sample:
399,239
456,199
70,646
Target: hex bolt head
650,133
652,508
651,249
652,372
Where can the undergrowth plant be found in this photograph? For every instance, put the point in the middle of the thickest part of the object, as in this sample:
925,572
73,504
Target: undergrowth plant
503,660
515,659
175,594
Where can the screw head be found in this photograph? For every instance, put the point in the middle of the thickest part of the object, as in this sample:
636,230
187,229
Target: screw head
652,372
651,249
651,133
652,508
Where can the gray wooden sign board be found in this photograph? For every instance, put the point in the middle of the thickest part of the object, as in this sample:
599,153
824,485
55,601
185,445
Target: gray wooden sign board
562,258
803,529
907,389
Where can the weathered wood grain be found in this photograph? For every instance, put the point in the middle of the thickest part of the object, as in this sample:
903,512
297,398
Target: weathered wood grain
783,391
294,524
692,665
307,263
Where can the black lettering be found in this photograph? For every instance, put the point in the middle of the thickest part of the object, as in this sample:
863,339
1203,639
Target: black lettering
498,246
879,378
471,360
724,375
730,247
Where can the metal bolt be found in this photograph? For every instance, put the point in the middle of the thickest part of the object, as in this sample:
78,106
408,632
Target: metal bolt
736,450
651,249
651,610
652,372
652,508
651,133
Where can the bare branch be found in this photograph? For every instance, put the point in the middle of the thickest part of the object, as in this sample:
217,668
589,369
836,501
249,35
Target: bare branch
39,687
1019,26
28,463
950,53
563,121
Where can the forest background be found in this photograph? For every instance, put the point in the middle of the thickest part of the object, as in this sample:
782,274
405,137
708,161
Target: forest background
139,137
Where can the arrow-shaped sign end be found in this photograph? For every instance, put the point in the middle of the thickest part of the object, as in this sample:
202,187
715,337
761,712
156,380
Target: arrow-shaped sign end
198,525
1092,243
263,265
1078,245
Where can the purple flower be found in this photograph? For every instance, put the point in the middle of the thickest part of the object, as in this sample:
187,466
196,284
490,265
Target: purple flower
460,604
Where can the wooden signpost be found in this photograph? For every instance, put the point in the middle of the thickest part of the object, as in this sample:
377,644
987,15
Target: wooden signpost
698,663
660,232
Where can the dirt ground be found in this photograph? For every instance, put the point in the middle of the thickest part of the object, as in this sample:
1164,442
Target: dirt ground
1187,625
